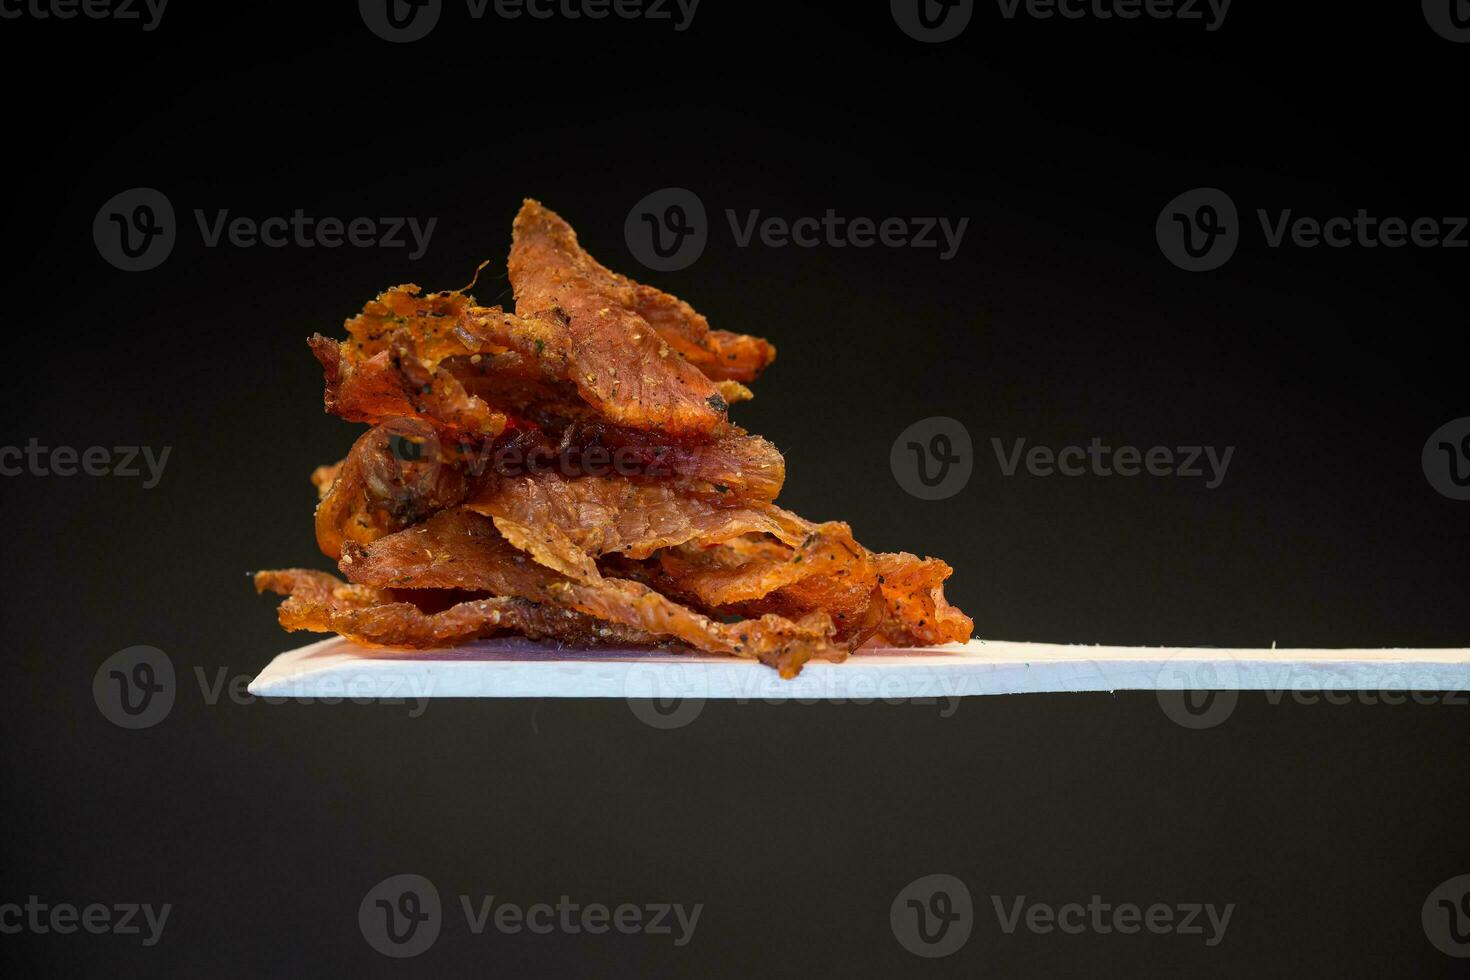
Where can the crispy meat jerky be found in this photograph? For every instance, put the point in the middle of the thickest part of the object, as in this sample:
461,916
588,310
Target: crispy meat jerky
392,478
779,563
917,613
401,472
458,549
392,364
569,471
732,464
720,354
898,598
622,366
474,372
606,515
323,603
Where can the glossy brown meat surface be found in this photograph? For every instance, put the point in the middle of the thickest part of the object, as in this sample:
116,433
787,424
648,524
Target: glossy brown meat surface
323,603
622,366
569,471
458,549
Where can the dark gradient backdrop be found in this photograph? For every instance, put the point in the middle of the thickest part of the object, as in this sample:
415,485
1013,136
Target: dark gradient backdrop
1058,321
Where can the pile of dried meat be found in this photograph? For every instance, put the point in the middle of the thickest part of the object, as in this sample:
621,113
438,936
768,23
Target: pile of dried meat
570,471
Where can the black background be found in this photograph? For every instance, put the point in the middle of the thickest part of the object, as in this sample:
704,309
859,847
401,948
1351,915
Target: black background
1059,320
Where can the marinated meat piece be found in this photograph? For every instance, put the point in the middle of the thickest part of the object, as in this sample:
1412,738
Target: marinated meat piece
438,356
596,516
720,354
322,603
473,372
392,478
445,324
391,384
550,546
568,471
898,597
732,466
323,477
620,363
917,613
824,568
457,549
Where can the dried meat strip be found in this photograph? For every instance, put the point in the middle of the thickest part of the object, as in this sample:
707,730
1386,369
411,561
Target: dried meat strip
322,603
568,471
605,515
917,613
475,372
720,354
458,549
622,366
392,478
